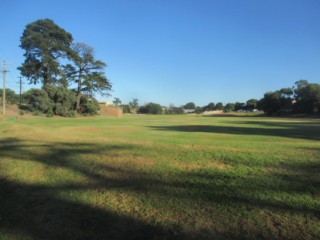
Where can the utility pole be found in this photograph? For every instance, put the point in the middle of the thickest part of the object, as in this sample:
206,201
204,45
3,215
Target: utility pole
4,71
21,90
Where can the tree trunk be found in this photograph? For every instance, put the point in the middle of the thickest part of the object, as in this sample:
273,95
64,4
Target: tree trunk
79,93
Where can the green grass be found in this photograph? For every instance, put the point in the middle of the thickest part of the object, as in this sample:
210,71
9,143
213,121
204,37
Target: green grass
160,177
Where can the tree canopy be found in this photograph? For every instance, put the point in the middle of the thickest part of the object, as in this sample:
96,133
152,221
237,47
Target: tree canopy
44,43
304,97
86,72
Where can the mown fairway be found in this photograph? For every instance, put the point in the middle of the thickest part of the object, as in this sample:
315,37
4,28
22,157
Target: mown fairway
167,177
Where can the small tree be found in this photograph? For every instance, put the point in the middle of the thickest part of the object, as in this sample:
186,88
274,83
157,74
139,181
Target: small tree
87,72
116,102
134,105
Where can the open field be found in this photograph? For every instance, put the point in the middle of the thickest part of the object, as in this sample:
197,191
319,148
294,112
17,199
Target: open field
160,177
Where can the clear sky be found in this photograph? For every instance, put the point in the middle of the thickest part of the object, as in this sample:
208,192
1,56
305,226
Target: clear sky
177,51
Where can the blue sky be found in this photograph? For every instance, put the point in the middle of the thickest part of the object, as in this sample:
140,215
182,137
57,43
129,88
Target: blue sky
177,51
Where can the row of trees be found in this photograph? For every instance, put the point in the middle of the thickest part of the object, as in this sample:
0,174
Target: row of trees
68,71
303,97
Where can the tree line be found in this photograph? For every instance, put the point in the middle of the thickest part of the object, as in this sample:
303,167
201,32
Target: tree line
302,98
68,71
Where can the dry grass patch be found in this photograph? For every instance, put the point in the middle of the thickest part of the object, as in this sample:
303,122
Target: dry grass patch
191,166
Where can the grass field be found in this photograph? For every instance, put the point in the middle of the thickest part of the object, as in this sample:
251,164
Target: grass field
160,177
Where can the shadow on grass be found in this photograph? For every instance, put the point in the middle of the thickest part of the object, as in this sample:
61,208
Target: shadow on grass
304,130
39,211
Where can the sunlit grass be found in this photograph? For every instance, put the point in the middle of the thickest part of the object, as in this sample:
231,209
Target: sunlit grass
160,177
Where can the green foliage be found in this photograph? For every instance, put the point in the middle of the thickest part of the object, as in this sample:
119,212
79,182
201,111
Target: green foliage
151,108
251,104
51,100
229,107
271,102
50,113
134,105
189,105
11,96
174,110
199,110
86,72
219,106
307,97
210,107
38,100
304,97
64,99
238,106
116,102
44,43
126,108
88,105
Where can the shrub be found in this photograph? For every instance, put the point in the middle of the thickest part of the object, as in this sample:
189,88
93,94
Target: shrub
174,110
38,100
63,98
11,96
151,108
50,113
88,105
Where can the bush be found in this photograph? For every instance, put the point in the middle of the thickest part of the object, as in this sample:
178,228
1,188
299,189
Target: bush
38,100
151,108
64,99
71,114
11,96
50,113
36,113
88,105
174,110
51,100
126,108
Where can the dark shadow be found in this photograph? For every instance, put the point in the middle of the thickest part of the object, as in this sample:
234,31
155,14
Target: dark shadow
24,107
39,211
304,130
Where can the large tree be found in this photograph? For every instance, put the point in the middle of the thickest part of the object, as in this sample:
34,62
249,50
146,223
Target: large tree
87,72
308,98
44,43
